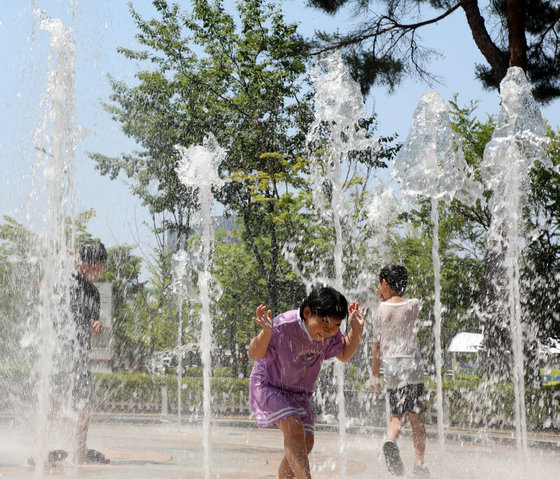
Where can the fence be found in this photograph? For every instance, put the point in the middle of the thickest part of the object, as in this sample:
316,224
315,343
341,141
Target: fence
162,399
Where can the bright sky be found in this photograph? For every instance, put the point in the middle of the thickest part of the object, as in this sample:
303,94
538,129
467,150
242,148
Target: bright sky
101,26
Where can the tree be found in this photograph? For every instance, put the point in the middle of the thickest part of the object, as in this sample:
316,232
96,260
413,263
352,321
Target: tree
20,275
541,266
156,323
539,257
123,271
496,350
235,270
469,285
385,48
240,80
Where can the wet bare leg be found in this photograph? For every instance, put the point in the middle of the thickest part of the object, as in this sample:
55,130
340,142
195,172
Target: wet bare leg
80,448
418,437
285,471
297,445
394,428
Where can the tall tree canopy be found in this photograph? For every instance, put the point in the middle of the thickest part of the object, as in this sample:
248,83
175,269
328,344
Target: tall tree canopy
238,76
385,47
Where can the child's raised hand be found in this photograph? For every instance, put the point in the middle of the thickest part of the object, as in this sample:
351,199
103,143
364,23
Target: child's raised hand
96,328
259,344
264,318
356,317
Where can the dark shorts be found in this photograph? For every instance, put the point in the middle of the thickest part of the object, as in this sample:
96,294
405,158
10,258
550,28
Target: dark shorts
405,399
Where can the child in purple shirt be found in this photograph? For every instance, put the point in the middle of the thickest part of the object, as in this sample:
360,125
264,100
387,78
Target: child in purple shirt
288,354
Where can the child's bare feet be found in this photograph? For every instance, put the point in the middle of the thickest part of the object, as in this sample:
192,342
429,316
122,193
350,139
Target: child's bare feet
421,471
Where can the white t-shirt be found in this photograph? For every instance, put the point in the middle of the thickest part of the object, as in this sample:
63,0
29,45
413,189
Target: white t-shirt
394,327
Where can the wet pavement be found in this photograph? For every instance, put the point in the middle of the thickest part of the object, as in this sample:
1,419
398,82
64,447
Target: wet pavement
155,449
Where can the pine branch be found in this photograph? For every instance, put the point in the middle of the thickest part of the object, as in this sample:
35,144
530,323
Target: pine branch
383,25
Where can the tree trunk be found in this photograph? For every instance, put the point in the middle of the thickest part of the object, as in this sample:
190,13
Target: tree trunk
516,34
496,58
269,274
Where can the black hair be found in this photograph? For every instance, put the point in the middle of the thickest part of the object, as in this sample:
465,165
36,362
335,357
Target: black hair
396,276
325,301
92,251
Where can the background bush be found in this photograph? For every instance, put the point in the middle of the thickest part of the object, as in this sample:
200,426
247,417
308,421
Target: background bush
467,402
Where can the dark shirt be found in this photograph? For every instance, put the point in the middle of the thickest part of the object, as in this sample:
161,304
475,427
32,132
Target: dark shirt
85,305
71,355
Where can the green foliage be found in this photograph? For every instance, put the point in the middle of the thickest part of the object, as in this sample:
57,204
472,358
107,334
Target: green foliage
156,325
77,228
242,77
243,289
137,392
123,271
541,272
237,77
469,403
476,403
344,192
144,314
462,233
540,20
19,277
270,214
463,249
460,279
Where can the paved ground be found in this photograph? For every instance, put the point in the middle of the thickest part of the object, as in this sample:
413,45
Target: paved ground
174,451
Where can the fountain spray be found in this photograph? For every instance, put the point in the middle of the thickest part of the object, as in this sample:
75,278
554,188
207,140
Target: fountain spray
56,141
198,168
518,140
339,107
180,281
431,165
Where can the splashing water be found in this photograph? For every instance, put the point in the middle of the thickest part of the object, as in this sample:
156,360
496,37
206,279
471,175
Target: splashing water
179,262
431,162
56,141
517,142
198,168
333,136
431,165
382,212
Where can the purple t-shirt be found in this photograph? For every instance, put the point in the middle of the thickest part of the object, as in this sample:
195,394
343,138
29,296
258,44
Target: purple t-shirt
293,360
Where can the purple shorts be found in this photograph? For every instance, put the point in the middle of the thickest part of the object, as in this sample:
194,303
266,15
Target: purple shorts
271,404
